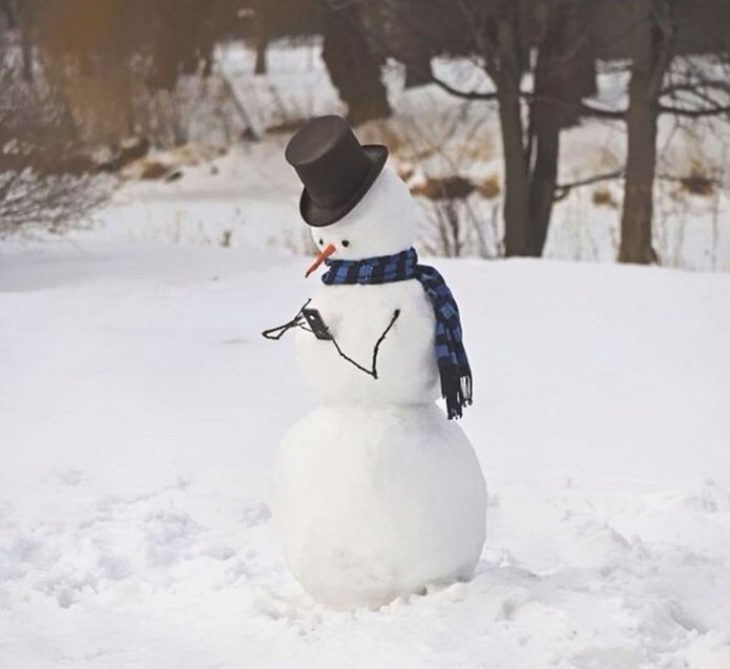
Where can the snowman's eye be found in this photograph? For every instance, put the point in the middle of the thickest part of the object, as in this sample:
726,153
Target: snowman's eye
321,242
345,243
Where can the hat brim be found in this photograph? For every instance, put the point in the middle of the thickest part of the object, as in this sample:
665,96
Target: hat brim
318,216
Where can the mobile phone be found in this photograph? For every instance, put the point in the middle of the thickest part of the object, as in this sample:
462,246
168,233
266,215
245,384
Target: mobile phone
315,321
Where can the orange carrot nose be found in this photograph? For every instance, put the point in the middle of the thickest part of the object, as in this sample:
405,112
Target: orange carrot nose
325,253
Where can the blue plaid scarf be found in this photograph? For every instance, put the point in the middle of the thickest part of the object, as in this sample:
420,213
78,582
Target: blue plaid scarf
456,381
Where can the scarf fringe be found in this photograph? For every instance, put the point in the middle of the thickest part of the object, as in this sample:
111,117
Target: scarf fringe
456,388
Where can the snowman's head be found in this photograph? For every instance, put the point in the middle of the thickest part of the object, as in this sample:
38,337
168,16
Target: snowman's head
382,223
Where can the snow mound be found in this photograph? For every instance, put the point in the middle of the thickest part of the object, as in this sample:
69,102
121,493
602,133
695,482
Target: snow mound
372,503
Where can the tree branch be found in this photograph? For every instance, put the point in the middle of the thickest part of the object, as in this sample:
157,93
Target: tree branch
684,179
664,21
466,95
694,113
693,86
583,108
562,190
589,110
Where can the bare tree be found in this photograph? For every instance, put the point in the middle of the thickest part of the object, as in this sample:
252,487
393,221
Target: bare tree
499,36
355,69
663,81
353,65
51,202
653,47
564,74
560,43
43,181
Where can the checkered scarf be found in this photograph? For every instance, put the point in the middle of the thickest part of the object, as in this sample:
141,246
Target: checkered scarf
456,381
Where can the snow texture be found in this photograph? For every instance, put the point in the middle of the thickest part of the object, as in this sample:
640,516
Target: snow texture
139,415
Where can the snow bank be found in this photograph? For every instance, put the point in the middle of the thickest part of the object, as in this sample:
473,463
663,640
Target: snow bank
139,414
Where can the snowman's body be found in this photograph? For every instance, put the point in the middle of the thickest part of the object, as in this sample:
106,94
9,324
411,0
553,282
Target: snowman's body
357,316
375,493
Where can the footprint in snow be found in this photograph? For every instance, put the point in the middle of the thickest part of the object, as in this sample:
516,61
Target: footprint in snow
235,341
72,477
255,515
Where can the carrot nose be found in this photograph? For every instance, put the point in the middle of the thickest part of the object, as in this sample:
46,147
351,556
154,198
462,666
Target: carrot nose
325,253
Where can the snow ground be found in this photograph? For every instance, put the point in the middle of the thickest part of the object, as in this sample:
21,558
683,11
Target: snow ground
140,411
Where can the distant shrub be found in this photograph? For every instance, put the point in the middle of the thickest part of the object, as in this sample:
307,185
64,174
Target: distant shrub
153,170
52,202
453,187
602,197
698,184
489,188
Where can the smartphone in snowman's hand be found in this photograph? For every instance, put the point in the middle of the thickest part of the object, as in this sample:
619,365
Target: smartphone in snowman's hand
317,324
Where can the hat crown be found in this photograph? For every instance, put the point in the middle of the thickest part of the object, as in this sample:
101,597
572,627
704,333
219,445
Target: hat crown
315,139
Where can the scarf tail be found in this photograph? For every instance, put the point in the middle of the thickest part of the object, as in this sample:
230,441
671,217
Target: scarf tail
456,387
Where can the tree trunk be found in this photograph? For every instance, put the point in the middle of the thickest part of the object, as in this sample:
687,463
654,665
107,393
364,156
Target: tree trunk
516,184
636,218
653,51
261,41
260,66
544,180
7,9
506,73
418,72
353,67
564,75
24,19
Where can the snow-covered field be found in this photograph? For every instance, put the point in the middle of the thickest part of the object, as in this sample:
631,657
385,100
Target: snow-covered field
140,411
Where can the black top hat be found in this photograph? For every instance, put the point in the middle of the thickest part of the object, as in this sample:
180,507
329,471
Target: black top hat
334,167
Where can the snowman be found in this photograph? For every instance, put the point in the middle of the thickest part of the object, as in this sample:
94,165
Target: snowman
376,493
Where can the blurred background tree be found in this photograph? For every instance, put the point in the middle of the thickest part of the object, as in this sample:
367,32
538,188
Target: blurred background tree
89,86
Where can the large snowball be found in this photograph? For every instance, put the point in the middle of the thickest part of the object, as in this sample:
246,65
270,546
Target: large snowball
371,503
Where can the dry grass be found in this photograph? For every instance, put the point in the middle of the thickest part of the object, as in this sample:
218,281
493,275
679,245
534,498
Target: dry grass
701,181
287,127
388,132
452,187
490,187
165,164
476,151
602,197
403,142
152,170
698,184
607,159
405,171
